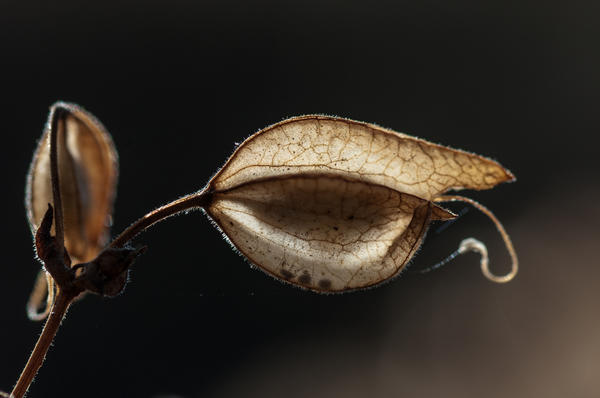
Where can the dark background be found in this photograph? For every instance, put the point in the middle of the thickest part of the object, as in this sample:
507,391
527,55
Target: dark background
178,83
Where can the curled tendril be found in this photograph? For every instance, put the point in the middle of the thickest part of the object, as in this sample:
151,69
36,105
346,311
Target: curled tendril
472,244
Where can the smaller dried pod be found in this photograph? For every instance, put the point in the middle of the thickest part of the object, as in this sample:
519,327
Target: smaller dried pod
87,171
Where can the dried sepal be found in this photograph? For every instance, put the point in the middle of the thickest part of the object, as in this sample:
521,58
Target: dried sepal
88,169
332,204
106,275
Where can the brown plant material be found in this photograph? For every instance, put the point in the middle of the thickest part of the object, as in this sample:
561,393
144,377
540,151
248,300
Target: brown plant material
87,169
72,176
340,147
332,204
325,203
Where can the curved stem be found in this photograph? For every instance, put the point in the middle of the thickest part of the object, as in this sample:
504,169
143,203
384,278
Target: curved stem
187,202
59,309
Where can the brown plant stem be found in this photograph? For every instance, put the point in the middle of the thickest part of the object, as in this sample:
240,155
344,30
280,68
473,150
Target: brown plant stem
195,200
59,227
60,303
59,309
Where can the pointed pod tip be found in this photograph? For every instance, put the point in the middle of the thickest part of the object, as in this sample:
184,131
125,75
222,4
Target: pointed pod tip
510,177
441,214
70,106
493,174
73,109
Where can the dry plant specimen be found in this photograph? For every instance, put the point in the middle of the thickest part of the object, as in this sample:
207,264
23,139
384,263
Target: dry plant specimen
324,203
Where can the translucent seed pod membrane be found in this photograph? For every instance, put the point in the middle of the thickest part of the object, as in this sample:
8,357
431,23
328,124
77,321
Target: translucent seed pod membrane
88,170
332,204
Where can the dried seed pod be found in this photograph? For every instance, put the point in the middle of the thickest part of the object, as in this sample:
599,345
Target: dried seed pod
332,204
88,169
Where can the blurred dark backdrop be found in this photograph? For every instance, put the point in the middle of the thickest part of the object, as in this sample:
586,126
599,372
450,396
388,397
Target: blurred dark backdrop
178,83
